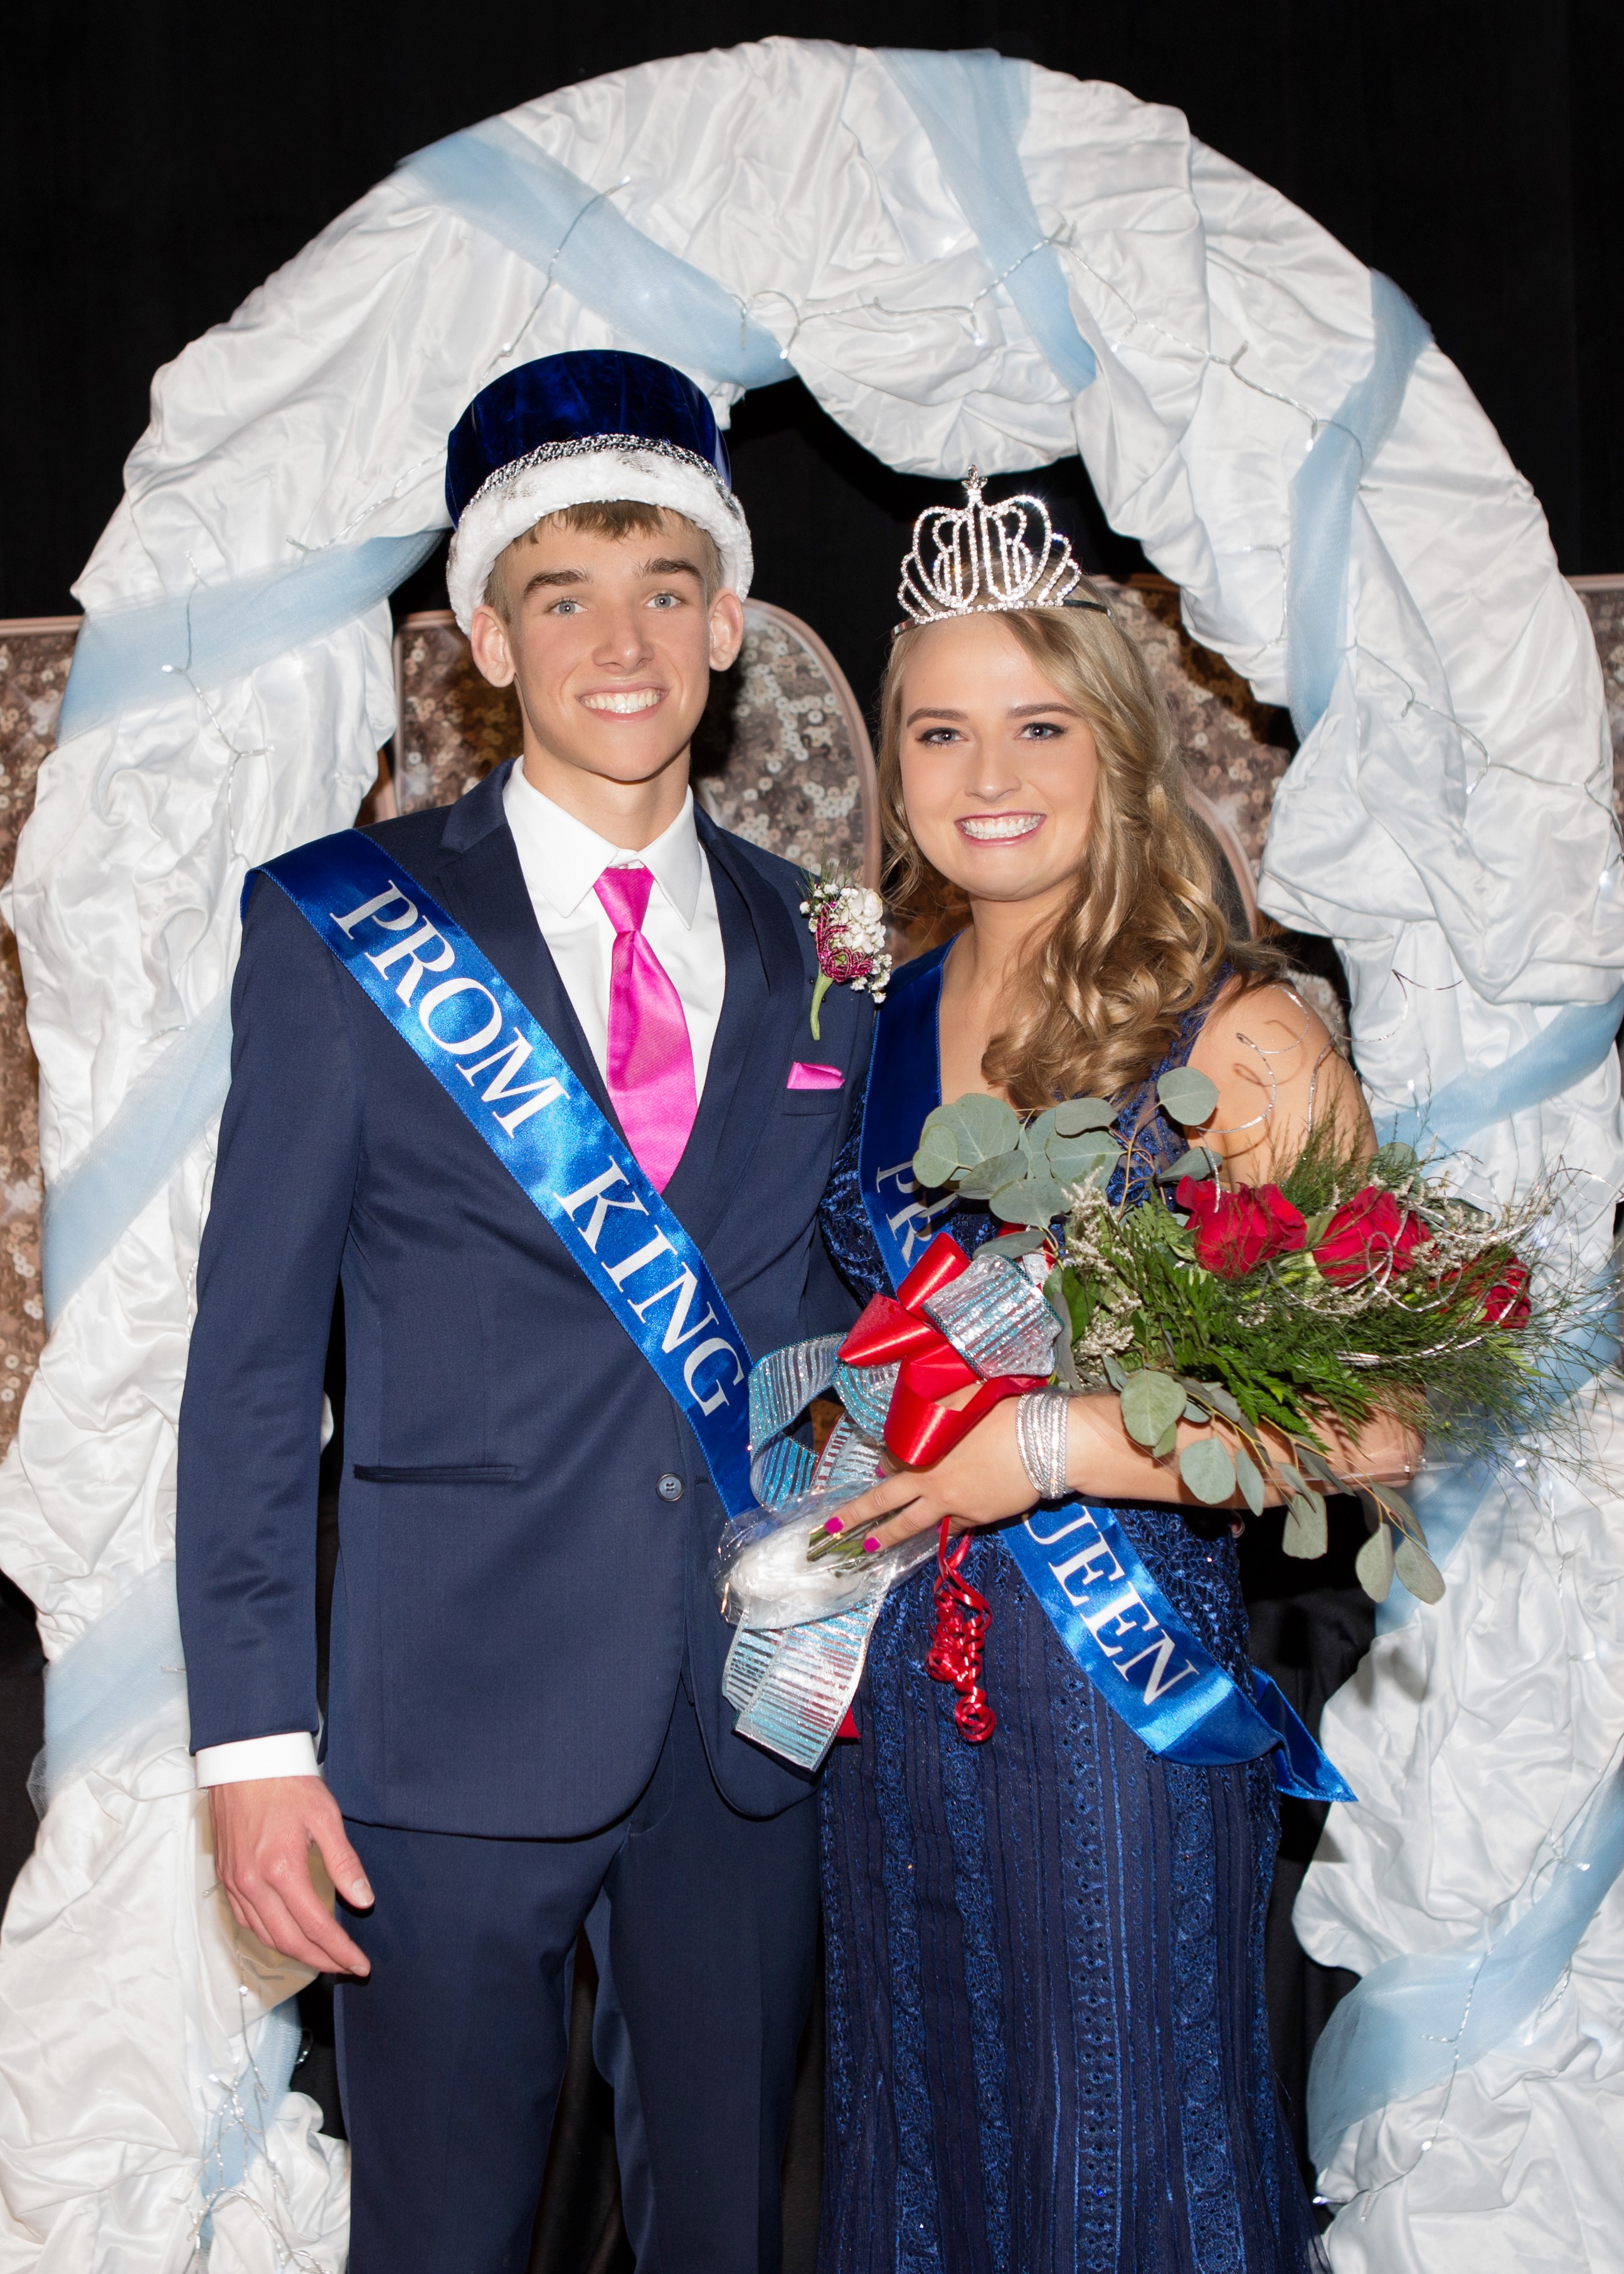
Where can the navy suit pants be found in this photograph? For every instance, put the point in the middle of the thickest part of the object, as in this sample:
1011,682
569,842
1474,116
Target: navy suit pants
703,1923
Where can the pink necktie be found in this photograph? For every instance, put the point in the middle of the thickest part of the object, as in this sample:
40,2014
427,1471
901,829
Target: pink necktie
651,1068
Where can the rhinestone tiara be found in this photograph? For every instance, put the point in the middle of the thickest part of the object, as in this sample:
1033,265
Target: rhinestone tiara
982,558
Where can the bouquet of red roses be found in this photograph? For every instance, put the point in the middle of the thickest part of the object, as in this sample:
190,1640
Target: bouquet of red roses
1277,1319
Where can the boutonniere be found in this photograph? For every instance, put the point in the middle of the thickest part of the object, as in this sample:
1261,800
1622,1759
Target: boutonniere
848,923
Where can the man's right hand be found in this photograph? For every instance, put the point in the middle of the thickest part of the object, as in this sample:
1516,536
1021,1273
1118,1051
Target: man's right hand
264,1830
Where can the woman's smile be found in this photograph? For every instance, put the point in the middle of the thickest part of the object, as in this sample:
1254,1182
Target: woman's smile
999,828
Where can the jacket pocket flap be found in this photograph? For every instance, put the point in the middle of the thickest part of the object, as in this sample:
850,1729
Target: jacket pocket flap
488,1472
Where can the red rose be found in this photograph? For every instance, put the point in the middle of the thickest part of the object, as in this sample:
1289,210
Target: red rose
1236,1232
1368,1233
1506,1303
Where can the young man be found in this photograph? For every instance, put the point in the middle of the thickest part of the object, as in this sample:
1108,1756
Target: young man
521,1073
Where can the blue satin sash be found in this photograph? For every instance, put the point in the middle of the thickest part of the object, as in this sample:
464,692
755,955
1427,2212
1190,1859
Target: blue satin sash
455,1010
1095,1587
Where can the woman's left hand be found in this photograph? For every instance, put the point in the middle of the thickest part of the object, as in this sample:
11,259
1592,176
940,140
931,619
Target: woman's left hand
982,1481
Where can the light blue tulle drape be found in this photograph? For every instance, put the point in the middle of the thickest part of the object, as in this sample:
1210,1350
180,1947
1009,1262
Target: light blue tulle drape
125,1674
160,1116
235,2140
972,104
134,659
1322,494
1410,2024
499,179
1558,1057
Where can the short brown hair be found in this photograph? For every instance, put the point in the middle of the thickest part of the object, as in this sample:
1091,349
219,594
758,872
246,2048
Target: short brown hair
614,517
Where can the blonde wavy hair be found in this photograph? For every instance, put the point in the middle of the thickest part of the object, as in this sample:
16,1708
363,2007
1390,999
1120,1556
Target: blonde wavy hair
1142,939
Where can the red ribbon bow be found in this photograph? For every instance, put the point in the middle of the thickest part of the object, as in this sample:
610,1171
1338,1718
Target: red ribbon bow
918,1430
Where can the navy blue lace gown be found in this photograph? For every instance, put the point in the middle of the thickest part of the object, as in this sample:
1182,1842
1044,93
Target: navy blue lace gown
1047,2051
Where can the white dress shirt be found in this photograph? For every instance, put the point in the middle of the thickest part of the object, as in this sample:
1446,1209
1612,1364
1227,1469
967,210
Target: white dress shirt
561,860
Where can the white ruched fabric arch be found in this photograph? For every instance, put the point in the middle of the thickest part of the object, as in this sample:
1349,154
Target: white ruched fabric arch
1447,821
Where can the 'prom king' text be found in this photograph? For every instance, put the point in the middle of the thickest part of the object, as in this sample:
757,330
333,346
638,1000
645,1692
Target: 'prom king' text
466,1025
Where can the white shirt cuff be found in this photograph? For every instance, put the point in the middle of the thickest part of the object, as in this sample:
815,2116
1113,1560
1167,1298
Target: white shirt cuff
291,1754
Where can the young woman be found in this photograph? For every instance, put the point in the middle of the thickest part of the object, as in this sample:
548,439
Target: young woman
1047,2050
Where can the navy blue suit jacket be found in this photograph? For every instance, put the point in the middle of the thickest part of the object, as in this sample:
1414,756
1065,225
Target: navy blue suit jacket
514,1598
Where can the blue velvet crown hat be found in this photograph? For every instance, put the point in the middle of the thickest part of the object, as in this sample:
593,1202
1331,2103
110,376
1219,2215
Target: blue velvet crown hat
575,429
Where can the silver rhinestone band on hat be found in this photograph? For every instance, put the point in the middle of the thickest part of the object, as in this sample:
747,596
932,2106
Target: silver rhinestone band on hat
587,446
1040,1421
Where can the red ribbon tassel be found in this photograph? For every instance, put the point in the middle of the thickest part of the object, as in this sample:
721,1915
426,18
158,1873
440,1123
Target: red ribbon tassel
956,1647
919,1432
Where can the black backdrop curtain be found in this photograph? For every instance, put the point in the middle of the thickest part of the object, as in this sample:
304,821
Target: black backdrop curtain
158,162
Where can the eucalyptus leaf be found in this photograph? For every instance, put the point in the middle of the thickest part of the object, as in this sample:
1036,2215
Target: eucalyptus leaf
1374,1565
1219,1398
1416,1568
1071,1159
1396,1500
1166,1443
1066,1364
1036,1199
980,1127
938,1125
1197,1163
1115,1371
1317,1465
991,1176
1013,1243
1207,1468
1305,1534
1151,1404
1197,1414
1079,1113
1250,1478
1288,1477
1187,1097
936,1161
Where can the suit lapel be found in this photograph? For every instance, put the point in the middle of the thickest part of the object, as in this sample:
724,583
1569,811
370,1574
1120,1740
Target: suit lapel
476,874
483,886
766,983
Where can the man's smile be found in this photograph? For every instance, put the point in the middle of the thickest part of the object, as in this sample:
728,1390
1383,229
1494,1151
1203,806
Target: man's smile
625,702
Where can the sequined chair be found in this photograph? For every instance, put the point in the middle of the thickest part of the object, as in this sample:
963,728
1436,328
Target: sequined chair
35,655
35,652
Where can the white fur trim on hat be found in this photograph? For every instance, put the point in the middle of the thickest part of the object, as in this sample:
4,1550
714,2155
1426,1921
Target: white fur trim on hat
588,472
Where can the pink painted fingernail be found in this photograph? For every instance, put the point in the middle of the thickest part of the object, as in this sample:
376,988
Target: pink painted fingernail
871,1548
832,1525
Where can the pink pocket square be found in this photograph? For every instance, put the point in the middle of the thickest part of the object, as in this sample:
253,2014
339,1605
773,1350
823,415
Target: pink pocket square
813,1077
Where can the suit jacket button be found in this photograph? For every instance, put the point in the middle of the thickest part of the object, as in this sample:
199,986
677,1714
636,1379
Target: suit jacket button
669,1487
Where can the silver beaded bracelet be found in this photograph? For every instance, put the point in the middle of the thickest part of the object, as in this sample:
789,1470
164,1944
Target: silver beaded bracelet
1040,1419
